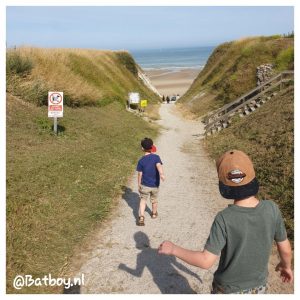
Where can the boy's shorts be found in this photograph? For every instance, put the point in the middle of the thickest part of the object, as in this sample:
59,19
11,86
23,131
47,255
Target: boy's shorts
262,289
146,191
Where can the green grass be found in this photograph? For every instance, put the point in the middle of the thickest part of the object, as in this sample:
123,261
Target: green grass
231,70
60,187
17,64
267,136
285,59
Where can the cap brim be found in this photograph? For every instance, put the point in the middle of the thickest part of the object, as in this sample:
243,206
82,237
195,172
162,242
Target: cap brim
239,192
153,149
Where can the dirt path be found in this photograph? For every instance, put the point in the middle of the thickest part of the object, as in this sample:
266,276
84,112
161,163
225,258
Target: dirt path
123,257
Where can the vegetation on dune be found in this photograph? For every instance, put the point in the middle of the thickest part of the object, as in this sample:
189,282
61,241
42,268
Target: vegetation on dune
60,187
267,137
87,77
231,70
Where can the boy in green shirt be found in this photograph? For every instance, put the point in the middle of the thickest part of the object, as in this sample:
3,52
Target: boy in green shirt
242,234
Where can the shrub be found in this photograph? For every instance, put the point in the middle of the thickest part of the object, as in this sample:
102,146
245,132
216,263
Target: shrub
285,59
43,123
17,64
37,93
127,61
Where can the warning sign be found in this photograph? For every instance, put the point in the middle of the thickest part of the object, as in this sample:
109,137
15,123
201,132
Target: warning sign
55,104
144,103
134,98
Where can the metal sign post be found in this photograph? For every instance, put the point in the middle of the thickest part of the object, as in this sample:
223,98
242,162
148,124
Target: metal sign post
55,125
55,107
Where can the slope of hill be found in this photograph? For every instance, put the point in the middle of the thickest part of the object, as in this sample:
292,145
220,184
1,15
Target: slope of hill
267,135
231,71
87,77
60,187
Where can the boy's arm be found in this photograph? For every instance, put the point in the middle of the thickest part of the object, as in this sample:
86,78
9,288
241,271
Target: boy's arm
140,179
202,259
285,265
160,171
135,272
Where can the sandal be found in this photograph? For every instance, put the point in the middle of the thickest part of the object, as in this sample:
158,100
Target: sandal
154,215
141,221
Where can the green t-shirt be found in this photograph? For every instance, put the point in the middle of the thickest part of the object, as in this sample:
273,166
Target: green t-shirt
244,237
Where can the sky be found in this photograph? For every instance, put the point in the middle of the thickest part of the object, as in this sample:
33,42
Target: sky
144,27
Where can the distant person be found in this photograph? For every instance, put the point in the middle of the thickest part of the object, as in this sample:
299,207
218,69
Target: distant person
168,99
150,171
163,98
242,234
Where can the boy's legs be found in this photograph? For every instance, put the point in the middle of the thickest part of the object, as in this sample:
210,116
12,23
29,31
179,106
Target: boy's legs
154,207
144,194
153,199
142,207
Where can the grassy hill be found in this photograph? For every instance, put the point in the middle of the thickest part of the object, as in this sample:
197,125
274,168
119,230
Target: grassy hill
231,71
61,187
267,135
87,77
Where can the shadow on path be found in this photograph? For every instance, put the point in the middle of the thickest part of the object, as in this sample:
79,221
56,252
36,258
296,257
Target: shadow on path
133,201
162,268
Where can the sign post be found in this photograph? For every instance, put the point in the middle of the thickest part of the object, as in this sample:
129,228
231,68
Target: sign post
55,107
55,125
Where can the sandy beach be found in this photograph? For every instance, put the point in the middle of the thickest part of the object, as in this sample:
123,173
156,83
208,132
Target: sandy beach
172,82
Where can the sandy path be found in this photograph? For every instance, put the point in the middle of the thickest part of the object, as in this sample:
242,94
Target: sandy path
123,257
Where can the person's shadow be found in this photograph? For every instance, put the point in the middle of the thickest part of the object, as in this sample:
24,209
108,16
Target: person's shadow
133,201
162,268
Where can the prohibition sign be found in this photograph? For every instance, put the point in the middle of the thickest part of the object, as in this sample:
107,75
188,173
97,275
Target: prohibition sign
55,98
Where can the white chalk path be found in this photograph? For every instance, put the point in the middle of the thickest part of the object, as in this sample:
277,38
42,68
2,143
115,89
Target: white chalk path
122,257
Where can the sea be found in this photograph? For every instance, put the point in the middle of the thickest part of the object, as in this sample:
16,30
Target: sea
173,58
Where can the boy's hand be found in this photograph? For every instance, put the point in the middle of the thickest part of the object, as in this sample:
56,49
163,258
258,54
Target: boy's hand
162,177
166,248
286,274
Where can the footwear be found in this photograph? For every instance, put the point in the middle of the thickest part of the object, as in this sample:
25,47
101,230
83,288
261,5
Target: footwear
154,215
141,221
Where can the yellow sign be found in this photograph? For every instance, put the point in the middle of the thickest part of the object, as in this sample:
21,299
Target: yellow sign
144,103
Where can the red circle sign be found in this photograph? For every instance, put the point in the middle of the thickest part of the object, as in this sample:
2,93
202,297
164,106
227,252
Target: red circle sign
55,98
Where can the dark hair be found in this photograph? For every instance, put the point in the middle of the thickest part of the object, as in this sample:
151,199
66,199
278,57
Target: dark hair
147,143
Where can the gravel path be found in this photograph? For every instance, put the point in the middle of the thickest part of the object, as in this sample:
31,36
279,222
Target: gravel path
122,258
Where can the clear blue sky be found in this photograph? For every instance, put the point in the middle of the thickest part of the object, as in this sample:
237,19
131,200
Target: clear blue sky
133,28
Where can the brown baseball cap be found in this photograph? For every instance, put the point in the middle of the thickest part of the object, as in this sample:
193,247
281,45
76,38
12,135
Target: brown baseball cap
236,175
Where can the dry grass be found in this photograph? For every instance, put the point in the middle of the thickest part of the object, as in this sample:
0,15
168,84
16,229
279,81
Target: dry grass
87,77
152,111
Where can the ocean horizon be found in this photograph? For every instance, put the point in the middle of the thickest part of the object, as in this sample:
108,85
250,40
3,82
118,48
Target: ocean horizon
173,59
